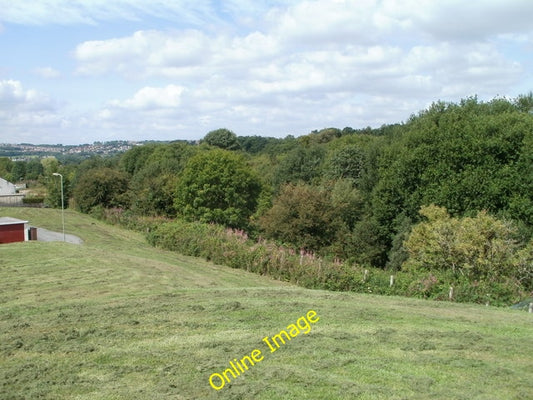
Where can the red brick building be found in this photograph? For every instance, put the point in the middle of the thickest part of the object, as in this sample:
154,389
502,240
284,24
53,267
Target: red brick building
12,230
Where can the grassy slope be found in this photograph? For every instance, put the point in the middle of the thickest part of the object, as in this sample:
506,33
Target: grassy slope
117,319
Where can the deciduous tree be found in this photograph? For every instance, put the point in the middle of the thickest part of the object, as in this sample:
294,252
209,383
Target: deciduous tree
223,139
218,186
103,187
302,216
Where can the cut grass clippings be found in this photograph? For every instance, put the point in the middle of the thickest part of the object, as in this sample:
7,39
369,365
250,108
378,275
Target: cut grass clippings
115,318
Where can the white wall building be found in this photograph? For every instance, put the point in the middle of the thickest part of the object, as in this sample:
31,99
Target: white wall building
7,188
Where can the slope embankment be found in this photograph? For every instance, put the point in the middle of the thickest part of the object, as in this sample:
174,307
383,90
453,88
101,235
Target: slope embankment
117,318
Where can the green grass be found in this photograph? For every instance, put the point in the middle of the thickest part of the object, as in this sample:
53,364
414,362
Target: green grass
117,319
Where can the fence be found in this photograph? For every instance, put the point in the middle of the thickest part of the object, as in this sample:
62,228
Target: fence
12,200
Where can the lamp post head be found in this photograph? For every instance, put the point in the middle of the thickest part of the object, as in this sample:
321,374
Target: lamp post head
56,174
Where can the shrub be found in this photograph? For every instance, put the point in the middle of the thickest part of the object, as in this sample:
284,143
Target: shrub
482,247
32,200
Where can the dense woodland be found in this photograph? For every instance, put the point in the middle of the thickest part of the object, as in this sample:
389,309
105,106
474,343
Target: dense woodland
444,198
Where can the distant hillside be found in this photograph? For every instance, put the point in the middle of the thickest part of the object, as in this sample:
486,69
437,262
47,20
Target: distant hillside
26,151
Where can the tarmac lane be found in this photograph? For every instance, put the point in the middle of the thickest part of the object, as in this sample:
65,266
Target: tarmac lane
44,235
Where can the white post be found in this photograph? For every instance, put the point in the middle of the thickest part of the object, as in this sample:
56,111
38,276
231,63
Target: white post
531,307
450,294
391,280
62,204
365,276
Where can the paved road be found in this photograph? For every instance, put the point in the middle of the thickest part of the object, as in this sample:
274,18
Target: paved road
44,235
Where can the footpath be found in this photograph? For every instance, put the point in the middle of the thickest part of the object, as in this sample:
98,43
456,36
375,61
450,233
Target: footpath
44,235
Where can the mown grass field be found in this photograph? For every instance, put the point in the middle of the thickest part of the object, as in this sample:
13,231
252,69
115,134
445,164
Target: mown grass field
117,319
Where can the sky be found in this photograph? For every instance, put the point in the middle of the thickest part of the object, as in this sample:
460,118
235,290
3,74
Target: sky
79,71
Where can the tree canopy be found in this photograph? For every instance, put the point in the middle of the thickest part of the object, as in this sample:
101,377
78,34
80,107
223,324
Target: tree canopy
104,187
218,186
222,138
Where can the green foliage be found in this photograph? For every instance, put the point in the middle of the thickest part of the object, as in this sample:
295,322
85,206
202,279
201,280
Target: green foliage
154,184
325,135
366,243
33,200
319,219
6,166
301,215
95,162
255,144
50,165
281,146
479,248
233,248
302,164
524,103
518,183
53,188
346,201
218,186
152,192
523,261
398,253
102,187
222,138
135,158
34,169
465,157
18,171
346,163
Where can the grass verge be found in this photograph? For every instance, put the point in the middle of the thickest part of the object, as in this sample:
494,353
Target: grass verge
116,318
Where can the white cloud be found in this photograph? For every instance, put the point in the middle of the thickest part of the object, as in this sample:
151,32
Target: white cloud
473,20
282,66
329,23
150,98
144,53
315,63
312,44
26,114
14,97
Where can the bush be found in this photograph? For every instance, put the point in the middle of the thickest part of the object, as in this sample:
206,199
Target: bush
32,200
480,248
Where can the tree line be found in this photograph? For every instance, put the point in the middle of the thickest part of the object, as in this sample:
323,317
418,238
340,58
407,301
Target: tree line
449,189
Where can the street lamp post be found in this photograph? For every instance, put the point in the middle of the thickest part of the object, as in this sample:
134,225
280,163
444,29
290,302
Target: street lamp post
62,204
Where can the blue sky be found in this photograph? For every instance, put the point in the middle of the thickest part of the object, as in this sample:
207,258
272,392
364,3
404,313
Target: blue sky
79,71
